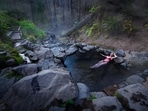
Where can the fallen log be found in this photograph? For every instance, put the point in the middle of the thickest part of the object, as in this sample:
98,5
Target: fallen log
87,19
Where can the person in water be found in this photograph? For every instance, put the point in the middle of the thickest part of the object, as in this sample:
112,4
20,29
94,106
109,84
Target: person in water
110,57
105,61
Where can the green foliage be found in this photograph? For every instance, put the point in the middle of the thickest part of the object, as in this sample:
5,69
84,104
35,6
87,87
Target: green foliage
11,53
92,97
94,9
30,31
6,22
110,23
146,26
128,27
70,101
90,31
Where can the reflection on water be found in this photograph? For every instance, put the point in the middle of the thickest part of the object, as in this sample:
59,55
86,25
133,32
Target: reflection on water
96,79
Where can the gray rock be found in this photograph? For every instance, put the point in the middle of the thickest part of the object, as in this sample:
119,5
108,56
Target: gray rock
120,53
134,79
72,49
32,56
44,53
58,52
26,69
88,47
134,97
37,92
107,103
98,95
3,52
11,62
44,64
119,60
5,84
5,71
84,91
126,64
16,36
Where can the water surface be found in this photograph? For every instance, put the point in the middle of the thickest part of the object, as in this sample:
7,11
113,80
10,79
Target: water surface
96,79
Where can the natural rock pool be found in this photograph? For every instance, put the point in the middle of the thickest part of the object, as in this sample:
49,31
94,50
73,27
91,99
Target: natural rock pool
96,79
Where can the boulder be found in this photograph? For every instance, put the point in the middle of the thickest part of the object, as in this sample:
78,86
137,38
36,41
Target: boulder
120,53
32,56
107,103
84,93
98,95
44,64
44,53
11,62
72,49
119,60
134,79
88,47
58,52
26,69
134,97
37,92
5,84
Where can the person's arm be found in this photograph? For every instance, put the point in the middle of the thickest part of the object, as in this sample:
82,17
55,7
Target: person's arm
102,55
115,56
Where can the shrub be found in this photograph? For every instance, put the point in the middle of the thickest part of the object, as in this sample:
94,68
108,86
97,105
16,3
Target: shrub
11,53
94,9
110,24
128,27
90,31
30,31
6,22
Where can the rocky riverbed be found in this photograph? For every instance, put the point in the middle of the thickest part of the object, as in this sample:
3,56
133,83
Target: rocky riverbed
45,84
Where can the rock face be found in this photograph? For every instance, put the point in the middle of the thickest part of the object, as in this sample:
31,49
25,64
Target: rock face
5,84
26,69
134,79
134,97
36,92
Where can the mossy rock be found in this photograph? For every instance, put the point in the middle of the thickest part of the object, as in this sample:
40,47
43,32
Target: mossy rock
11,53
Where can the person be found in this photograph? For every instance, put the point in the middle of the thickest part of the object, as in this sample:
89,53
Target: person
105,61
110,57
